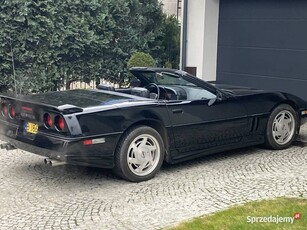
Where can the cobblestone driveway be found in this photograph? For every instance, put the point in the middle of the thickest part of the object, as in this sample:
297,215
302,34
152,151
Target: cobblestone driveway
68,197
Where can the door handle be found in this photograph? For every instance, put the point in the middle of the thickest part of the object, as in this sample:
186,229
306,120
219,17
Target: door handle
177,110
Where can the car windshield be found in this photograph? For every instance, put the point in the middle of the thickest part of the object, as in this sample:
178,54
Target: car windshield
163,78
175,85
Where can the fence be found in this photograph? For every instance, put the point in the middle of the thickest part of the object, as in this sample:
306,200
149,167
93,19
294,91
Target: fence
91,85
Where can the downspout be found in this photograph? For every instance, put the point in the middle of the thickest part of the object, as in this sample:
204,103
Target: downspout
184,23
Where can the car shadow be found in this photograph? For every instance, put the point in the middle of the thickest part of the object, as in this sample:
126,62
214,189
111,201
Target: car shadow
84,175
211,158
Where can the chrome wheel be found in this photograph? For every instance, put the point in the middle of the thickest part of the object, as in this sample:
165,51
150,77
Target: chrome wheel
143,155
283,127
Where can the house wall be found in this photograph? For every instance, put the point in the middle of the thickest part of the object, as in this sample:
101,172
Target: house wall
263,44
195,35
170,7
202,35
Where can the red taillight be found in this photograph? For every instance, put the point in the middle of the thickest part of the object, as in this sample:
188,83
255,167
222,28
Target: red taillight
26,108
59,123
12,112
48,120
87,142
4,109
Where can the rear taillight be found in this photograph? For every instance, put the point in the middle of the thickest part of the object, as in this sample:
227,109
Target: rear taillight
12,112
4,109
59,122
48,120
87,142
25,108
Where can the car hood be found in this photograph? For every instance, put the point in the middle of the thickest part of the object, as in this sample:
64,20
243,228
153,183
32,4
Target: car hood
238,90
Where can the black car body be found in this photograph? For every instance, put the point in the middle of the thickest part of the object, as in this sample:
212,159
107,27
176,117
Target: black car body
193,118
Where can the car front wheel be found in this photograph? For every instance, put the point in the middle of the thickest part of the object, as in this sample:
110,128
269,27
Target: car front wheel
139,154
282,127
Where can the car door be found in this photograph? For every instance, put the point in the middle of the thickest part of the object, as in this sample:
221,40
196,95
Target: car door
207,124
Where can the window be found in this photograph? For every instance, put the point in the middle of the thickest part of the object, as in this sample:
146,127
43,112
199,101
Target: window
166,79
185,89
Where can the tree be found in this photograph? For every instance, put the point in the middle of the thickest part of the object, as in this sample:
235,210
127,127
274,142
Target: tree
24,43
171,42
46,43
83,33
138,28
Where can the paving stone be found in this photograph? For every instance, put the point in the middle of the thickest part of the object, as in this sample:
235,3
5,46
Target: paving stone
35,196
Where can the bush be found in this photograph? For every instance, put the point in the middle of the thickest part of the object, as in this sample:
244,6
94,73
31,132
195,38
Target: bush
168,65
140,59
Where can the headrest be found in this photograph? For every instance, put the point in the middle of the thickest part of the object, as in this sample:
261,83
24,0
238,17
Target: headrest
106,87
135,82
139,91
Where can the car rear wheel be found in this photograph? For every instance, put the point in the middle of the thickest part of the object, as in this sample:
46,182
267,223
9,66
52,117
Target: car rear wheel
139,154
282,127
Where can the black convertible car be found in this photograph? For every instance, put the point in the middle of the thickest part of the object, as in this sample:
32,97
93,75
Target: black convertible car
165,115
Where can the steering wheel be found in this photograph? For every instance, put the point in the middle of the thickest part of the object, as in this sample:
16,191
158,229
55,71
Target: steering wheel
150,86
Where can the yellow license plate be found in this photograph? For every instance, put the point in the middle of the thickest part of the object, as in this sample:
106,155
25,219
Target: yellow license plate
31,127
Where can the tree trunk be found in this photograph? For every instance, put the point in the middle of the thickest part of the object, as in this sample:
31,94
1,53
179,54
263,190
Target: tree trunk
68,85
55,86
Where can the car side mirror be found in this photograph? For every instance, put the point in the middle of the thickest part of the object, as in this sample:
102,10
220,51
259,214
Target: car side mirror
219,97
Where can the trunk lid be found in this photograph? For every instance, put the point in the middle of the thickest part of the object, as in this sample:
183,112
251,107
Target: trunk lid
80,98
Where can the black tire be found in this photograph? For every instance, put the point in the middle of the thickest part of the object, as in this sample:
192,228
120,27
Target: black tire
271,141
126,170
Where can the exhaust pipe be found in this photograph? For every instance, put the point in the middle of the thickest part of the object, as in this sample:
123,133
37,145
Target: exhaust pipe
7,146
10,147
53,163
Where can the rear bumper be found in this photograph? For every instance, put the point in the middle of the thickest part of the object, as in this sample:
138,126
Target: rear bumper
70,150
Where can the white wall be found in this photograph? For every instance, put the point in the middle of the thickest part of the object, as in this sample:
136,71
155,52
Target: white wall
202,34
195,34
170,6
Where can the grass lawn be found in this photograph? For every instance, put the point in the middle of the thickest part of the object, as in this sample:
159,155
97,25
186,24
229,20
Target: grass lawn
240,217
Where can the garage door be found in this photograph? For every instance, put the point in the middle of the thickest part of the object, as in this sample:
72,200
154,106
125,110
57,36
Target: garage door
263,44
